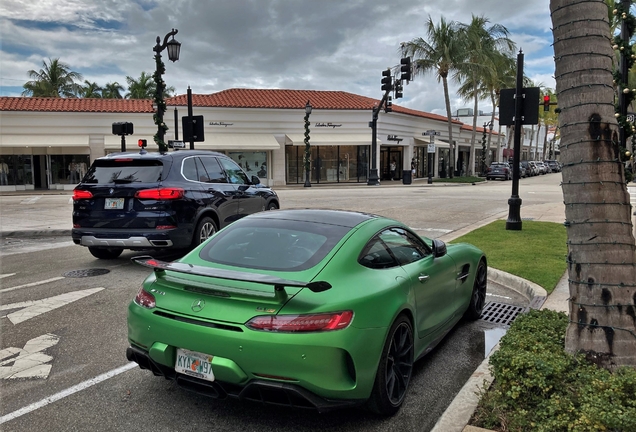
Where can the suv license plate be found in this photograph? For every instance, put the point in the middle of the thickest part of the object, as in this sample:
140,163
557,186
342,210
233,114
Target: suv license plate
194,363
114,203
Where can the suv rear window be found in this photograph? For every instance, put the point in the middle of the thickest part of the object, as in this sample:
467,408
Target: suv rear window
124,171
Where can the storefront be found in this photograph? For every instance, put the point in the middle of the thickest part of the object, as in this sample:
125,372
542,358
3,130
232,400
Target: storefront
49,143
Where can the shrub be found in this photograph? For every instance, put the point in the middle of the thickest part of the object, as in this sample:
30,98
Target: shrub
539,387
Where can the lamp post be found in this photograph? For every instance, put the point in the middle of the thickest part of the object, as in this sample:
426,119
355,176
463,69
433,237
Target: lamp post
174,48
485,148
307,157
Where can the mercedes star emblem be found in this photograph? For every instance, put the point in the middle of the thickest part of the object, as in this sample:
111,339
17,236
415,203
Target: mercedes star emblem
198,305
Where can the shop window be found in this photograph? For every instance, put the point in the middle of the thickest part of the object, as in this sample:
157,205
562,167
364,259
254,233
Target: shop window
253,163
68,169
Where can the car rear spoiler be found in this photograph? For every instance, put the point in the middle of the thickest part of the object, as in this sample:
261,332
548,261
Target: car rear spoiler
278,283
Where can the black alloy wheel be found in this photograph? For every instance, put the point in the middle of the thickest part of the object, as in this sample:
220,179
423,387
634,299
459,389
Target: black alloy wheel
478,296
206,228
272,206
395,369
105,253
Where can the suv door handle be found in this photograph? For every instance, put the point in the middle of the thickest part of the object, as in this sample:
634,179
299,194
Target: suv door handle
423,278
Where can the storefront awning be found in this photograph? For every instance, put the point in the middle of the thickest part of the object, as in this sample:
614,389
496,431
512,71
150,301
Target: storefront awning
237,142
216,142
425,140
43,140
330,139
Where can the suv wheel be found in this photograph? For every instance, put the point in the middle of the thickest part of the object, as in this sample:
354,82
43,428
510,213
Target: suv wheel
272,206
206,228
105,253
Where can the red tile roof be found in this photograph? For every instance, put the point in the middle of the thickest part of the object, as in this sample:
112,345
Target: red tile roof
290,99
231,98
46,104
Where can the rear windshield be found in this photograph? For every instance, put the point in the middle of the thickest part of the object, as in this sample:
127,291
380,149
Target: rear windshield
272,244
124,171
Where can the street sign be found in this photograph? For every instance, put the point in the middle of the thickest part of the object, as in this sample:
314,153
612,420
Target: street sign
176,144
432,134
530,106
431,148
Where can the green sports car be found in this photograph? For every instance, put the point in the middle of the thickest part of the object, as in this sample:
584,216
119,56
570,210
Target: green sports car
305,308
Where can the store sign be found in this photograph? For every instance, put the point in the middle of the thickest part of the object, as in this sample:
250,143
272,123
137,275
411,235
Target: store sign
220,124
394,138
329,125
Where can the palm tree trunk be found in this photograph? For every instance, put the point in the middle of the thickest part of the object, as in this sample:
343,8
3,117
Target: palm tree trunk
601,246
449,119
471,164
536,141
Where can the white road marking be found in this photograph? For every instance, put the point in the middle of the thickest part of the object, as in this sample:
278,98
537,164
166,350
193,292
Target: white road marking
32,308
31,200
445,231
64,393
30,362
32,284
36,248
6,275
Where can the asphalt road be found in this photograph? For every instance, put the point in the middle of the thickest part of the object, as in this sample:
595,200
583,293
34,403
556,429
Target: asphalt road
73,340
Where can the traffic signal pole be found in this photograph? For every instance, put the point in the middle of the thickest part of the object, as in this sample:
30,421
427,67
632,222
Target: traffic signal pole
374,180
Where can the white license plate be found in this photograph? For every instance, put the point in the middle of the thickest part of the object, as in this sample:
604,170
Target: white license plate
114,203
194,363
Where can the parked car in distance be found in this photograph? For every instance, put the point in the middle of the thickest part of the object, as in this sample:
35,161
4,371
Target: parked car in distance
534,168
553,165
304,308
543,169
499,170
528,168
151,200
523,173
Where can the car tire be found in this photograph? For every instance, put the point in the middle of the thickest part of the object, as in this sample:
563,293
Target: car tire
395,369
206,228
105,253
272,206
478,295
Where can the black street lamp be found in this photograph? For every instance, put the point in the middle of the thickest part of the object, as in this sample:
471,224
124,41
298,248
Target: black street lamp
174,48
485,150
307,157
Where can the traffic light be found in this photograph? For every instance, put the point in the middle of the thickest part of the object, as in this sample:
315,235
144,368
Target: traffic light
142,143
398,89
389,105
546,103
405,68
386,80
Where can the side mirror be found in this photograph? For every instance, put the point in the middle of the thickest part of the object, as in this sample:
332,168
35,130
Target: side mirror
256,180
439,248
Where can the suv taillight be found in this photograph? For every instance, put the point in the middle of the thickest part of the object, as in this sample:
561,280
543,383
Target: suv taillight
301,323
160,194
81,194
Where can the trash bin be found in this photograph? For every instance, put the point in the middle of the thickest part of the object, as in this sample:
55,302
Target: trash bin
406,177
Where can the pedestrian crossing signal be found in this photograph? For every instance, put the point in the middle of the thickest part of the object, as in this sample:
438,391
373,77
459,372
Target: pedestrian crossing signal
142,143
546,103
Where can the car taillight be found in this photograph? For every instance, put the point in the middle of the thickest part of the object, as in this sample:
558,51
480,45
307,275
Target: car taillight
81,194
301,323
145,299
160,194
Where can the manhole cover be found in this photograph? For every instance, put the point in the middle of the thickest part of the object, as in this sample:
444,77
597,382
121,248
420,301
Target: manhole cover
85,273
500,313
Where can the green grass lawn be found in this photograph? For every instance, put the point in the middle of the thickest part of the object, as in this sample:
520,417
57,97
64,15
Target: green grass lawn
537,252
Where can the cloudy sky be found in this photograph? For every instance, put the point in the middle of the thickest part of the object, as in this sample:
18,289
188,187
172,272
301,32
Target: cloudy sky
288,44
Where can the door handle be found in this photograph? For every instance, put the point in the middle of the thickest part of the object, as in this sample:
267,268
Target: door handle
423,278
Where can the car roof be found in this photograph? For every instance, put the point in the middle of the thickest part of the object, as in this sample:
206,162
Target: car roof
344,218
180,154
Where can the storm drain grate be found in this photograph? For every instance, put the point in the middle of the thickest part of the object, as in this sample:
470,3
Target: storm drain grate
500,313
85,273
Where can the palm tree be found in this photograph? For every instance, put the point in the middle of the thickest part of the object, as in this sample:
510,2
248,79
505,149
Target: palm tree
53,80
112,91
480,41
439,53
142,88
91,90
601,247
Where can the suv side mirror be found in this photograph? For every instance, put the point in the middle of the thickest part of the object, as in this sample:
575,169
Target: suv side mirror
256,180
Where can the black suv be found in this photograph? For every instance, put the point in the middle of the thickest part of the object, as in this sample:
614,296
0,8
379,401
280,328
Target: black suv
152,200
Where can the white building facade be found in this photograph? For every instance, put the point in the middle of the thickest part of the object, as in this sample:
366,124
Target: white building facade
49,143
